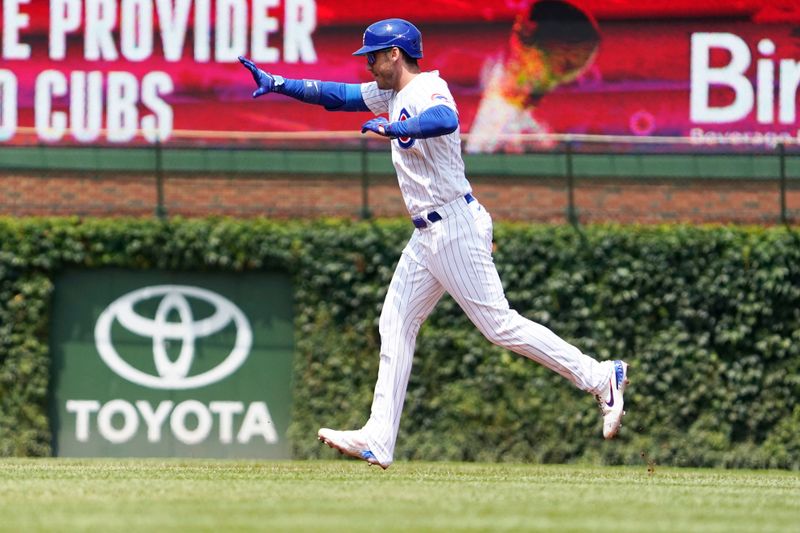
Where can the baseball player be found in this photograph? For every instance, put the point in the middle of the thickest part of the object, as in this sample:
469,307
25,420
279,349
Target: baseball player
451,248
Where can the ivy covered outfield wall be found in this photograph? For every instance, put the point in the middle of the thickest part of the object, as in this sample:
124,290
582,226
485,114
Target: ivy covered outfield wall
708,317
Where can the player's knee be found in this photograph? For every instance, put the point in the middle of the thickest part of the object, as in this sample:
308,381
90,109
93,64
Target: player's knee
497,332
494,336
387,326
394,327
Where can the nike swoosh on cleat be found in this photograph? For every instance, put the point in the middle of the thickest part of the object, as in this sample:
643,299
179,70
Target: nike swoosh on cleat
610,403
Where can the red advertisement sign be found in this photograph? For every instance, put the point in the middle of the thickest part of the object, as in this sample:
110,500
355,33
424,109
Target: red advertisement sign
127,71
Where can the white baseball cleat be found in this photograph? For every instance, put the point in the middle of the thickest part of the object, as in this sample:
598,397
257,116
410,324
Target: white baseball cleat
350,443
611,401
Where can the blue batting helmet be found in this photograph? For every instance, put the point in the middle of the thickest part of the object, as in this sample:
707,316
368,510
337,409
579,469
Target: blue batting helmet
392,32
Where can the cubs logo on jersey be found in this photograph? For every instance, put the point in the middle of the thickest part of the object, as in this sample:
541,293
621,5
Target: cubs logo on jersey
405,142
429,170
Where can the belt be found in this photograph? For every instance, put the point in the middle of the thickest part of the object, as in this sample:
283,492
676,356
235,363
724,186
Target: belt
421,222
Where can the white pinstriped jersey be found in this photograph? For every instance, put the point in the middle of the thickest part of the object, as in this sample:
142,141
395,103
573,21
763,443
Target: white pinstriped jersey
449,254
430,171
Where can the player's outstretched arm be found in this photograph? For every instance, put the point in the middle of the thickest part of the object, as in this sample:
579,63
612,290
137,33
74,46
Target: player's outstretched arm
332,96
433,122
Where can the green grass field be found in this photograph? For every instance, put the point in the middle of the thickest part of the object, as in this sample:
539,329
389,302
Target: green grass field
321,496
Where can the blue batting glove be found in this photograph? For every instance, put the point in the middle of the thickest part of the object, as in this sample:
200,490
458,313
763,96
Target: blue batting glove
377,125
265,82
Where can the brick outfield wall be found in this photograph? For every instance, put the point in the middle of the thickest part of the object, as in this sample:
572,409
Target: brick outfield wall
525,199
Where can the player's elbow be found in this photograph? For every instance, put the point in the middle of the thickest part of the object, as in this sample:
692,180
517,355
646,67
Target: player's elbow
336,96
450,126
449,122
436,121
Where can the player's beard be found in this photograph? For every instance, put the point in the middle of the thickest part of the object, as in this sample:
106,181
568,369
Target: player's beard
384,80
384,74
382,84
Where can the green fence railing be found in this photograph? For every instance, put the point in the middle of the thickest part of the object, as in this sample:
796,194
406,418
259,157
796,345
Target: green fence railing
364,159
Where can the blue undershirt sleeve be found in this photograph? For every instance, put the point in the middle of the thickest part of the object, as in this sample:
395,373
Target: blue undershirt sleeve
333,96
433,122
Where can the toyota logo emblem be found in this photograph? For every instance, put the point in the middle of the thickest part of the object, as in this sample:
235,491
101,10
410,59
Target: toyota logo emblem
175,374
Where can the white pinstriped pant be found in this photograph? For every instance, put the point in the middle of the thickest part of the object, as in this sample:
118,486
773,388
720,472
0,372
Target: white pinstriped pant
455,255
